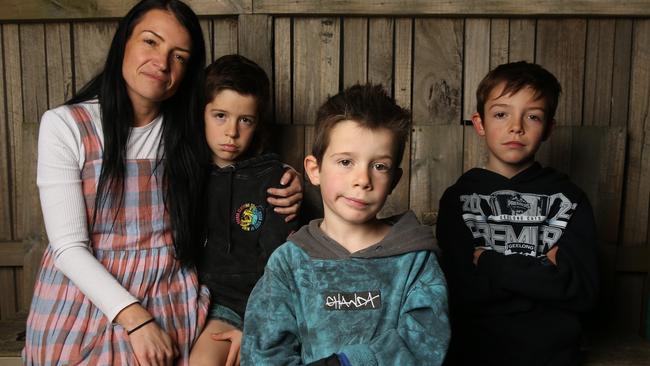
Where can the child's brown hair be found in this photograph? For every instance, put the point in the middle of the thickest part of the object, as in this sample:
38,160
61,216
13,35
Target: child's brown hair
517,76
237,73
370,106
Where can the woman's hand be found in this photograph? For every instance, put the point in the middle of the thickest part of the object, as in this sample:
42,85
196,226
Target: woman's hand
151,344
234,337
287,200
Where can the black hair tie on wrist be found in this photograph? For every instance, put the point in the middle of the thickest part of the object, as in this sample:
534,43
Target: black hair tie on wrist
128,332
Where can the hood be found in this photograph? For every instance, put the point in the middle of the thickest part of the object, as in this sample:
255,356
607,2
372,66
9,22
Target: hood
405,235
535,175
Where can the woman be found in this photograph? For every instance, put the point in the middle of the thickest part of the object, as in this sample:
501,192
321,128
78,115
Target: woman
119,166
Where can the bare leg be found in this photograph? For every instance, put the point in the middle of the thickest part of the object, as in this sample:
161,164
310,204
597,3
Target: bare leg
207,351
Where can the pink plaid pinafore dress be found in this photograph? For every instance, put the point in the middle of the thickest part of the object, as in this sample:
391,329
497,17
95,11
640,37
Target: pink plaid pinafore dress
64,327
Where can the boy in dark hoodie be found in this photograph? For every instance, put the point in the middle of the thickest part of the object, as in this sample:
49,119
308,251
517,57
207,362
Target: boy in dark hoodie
242,227
518,240
352,289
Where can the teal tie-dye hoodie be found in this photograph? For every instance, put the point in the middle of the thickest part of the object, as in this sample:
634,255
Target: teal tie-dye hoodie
384,305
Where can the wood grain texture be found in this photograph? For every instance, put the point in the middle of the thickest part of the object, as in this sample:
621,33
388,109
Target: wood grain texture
499,42
316,65
437,71
208,39
621,73
256,39
637,190
34,67
105,9
599,67
454,7
8,300
14,113
33,254
522,40
436,163
398,201
477,64
282,70
12,253
6,188
561,50
355,51
91,44
225,36
58,50
380,52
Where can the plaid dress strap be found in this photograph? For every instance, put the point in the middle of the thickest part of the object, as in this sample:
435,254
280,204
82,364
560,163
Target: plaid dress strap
133,242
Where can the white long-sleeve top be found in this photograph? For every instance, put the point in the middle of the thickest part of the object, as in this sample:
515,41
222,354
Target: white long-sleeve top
60,160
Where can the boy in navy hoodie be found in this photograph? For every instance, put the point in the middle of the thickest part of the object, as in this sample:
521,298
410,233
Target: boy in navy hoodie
352,289
518,240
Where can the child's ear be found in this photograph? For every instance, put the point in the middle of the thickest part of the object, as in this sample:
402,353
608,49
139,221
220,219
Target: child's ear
477,122
397,175
548,129
312,169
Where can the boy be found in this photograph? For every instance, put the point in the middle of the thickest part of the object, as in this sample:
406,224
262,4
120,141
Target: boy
518,240
241,229
351,289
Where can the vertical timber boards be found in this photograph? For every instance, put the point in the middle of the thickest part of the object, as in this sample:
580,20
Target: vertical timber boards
599,65
499,47
35,103
398,201
12,90
59,63
282,71
355,51
5,156
208,39
380,71
14,115
522,38
560,49
315,65
621,73
380,52
225,36
255,39
436,155
316,59
637,191
91,44
477,64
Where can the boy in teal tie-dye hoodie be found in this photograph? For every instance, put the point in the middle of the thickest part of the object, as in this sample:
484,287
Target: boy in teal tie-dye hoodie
352,289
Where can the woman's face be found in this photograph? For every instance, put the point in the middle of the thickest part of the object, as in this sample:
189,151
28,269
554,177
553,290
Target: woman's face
155,58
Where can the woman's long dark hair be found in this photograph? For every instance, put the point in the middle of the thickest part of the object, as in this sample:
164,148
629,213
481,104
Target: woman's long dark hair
182,149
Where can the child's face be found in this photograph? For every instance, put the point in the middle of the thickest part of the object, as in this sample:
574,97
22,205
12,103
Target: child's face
514,127
230,121
356,173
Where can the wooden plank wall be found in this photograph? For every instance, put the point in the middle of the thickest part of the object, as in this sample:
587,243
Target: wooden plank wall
431,65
